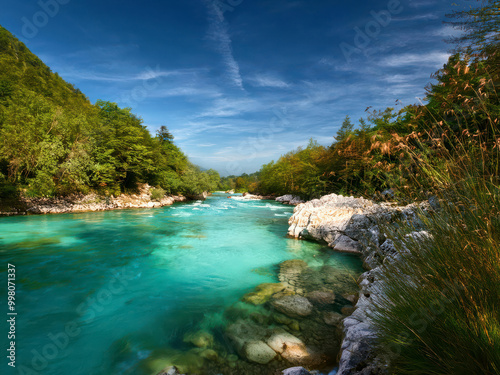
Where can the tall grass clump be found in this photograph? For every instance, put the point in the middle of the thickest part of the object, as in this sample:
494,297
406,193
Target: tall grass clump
440,312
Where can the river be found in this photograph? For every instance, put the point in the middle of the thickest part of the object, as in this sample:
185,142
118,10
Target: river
118,292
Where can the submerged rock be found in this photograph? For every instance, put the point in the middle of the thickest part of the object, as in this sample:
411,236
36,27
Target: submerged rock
243,331
258,352
201,339
164,360
291,273
171,370
209,354
263,293
293,306
321,298
332,318
280,340
296,371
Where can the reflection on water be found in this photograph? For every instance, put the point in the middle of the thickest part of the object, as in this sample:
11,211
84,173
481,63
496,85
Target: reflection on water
206,286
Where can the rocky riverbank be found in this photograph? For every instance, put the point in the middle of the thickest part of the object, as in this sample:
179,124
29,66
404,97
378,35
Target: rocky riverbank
355,225
93,202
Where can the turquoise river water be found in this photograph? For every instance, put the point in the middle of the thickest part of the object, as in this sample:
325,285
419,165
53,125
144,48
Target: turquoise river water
98,293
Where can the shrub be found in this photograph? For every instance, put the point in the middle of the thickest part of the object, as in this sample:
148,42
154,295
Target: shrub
157,194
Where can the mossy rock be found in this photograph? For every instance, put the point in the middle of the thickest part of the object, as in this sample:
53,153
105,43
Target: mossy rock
263,293
187,362
200,339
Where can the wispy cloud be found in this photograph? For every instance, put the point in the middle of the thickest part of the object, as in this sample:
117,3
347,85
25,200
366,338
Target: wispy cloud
206,144
225,107
418,17
146,74
265,80
218,32
188,91
434,59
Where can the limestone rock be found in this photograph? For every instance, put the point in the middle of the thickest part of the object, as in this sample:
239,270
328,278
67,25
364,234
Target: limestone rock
321,298
346,244
93,202
293,306
259,352
291,273
244,331
332,318
289,199
296,371
280,340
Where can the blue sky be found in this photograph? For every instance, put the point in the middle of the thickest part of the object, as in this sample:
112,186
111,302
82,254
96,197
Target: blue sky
239,82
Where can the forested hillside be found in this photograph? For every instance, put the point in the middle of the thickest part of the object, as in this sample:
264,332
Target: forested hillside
53,141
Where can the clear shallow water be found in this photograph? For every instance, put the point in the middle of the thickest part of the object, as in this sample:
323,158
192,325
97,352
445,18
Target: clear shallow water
97,293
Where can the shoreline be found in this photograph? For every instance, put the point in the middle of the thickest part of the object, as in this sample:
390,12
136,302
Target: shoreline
92,203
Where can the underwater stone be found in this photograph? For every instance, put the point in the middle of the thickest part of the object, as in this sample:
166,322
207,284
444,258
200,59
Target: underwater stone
263,293
296,371
209,354
171,370
332,318
293,306
319,297
294,325
201,339
280,340
259,352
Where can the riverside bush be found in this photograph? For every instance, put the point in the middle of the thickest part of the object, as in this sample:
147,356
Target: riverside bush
157,194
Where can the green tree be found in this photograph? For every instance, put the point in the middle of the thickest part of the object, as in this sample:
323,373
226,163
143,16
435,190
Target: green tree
345,130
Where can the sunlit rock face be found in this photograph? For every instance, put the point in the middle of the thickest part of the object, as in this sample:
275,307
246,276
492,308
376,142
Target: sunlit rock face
327,219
